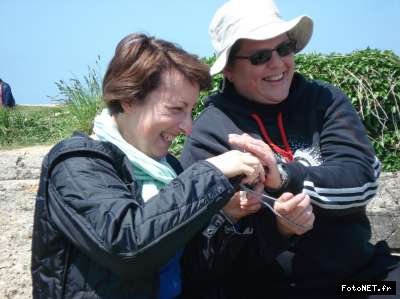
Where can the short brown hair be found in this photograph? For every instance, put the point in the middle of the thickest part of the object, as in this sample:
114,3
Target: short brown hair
137,66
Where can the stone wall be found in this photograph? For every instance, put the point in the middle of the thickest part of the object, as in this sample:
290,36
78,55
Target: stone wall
384,211
20,170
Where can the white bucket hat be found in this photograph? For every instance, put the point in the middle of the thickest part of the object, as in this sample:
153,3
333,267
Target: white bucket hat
253,19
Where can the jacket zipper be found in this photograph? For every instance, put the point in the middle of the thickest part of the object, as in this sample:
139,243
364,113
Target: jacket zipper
64,278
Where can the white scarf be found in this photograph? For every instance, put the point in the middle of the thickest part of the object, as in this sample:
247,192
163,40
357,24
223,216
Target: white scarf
152,175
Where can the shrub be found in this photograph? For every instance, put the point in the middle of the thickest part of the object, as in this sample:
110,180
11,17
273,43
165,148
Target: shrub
370,78
82,100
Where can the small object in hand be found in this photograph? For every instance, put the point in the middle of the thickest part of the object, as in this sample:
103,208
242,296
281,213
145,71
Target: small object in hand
242,195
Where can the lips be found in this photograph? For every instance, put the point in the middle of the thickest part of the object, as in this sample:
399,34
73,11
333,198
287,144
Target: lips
274,78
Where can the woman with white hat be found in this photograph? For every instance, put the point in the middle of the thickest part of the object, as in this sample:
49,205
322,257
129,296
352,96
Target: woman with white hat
310,140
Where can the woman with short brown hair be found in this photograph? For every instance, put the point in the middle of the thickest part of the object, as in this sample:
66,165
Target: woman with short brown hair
114,210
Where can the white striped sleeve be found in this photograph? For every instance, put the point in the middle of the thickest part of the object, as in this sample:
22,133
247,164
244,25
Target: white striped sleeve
343,198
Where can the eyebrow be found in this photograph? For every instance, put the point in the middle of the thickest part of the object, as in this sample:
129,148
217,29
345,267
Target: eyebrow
274,48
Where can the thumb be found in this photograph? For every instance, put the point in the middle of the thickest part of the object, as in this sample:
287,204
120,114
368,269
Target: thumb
285,197
259,187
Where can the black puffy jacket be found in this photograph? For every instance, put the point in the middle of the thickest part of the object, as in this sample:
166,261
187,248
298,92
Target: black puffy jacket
93,235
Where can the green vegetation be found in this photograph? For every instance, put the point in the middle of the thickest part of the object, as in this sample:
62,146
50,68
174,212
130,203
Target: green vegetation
82,100
370,78
31,125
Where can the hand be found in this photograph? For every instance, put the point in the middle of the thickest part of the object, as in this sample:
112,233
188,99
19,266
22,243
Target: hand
238,207
263,152
235,163
297,209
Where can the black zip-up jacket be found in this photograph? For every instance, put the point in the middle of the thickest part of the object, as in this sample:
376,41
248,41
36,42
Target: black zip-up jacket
334,163
93,235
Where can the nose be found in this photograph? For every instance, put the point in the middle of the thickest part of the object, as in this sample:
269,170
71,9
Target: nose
186,125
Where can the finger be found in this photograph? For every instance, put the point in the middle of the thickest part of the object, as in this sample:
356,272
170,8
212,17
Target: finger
253,174
233,136
306,215
293,228
265,155
237,136
253,196
252,144
310,223
261,174
252,161
249,203
303,218
285,197
251,209
289,205
249,200
238,141
262,151
303,208
259,187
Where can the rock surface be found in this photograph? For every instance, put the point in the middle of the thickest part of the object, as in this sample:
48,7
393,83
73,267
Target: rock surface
20,170
384,211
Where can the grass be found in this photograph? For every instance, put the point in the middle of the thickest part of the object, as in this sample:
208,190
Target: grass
34,125
79,101
82,98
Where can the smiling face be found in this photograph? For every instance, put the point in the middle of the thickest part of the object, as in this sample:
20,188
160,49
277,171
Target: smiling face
267,83
152,124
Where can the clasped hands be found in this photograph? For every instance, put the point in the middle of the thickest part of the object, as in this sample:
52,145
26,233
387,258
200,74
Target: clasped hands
295,208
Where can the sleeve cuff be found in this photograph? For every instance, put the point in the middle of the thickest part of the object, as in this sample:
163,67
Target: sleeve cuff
223,221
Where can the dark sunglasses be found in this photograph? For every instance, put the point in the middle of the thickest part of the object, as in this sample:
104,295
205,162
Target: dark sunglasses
263,56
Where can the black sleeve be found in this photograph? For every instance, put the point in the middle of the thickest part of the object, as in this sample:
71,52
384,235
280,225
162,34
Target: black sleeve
107,220
215,250
347,178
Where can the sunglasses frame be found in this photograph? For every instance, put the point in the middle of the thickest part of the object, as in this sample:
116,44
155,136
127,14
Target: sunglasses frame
254,60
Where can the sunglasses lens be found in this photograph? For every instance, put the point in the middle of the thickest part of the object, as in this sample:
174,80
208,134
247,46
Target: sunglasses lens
260,57
286,49
263,56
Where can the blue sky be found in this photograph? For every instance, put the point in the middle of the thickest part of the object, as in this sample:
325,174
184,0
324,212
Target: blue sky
44,41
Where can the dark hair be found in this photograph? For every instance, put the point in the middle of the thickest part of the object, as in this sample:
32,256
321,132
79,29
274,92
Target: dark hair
233,52
137,66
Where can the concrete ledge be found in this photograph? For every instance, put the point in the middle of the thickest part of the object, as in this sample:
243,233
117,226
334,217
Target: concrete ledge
384,211
18,186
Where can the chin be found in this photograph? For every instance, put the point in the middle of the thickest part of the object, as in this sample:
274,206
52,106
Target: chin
280,98
159,155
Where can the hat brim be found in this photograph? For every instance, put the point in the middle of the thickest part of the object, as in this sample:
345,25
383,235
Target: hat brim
299,29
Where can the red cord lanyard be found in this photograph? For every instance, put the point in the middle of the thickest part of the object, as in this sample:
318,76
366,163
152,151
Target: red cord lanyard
287,152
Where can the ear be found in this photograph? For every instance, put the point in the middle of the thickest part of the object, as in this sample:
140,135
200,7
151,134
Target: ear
127,106
228,73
